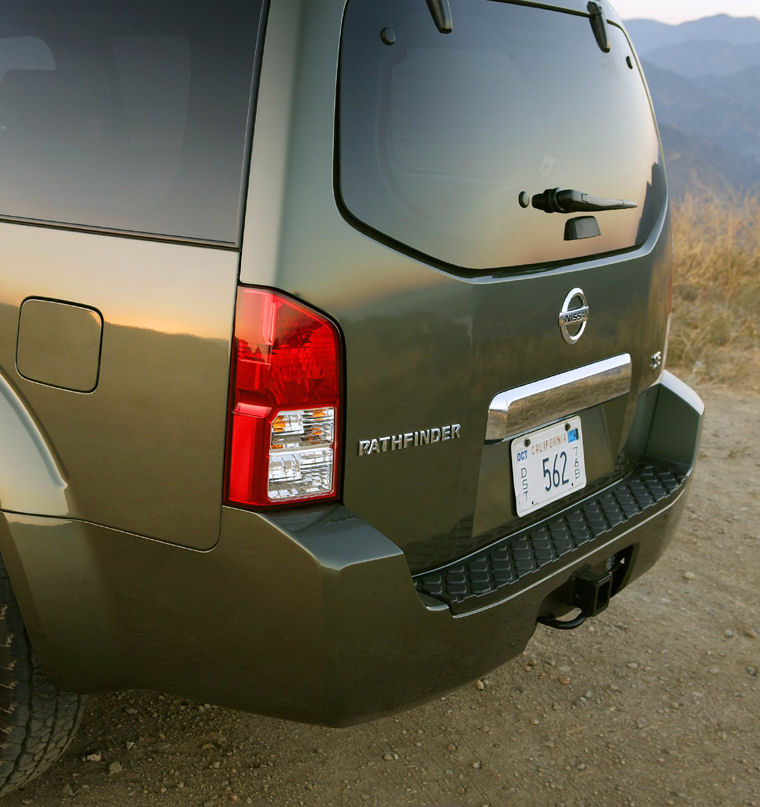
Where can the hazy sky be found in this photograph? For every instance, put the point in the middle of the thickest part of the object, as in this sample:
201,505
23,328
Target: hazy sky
675,11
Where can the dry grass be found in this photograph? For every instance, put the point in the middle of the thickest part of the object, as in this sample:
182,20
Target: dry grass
715,332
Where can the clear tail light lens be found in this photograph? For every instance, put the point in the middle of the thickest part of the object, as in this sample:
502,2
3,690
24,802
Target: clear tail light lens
284,422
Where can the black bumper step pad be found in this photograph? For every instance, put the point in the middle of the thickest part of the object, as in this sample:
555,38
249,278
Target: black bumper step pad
506,561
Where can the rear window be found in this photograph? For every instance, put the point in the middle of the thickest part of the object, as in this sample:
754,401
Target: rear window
127,116
440,133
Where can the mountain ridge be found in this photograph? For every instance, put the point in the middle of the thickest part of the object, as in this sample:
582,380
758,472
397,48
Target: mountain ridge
704,78
649,35
695,58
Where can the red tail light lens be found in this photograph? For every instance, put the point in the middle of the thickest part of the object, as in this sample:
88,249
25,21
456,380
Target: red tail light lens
285,403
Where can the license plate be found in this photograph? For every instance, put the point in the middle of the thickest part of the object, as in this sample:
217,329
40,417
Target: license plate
548,464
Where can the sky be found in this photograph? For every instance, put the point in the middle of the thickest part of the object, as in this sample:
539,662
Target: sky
675,11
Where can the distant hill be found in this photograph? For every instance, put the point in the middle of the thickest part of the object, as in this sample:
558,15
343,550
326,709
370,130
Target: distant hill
695,163
704,77
650,35
718,118
705,57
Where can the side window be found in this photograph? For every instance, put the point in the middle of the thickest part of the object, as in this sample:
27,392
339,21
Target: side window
154,74
130,117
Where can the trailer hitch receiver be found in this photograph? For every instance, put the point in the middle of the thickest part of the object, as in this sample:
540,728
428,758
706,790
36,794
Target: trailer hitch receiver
590,593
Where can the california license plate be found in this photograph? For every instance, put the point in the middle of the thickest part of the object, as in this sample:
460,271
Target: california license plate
548,464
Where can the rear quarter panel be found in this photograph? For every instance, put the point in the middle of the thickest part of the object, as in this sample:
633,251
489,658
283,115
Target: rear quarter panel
144,451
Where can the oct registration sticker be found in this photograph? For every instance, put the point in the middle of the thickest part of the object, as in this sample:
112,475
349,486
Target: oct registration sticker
548,464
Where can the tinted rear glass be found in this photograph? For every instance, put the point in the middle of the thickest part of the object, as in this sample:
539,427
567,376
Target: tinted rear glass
440,133
128,116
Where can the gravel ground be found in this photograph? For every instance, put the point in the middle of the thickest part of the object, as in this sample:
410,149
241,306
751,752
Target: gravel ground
654,702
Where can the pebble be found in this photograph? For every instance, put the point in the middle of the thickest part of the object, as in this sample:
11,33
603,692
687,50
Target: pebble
534,721
480,685
388,757
749,633
751,670
94,757
564,680
632,665
68,790
115,767
728,633
476,765
689,576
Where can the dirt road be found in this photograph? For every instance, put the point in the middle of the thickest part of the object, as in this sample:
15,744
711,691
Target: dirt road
657,702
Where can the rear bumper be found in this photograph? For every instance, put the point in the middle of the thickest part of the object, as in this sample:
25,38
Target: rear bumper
311,616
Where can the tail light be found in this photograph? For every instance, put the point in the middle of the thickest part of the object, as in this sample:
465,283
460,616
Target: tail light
284,425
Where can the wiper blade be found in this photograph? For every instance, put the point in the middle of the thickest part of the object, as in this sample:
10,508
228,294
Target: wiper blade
441,11
554,200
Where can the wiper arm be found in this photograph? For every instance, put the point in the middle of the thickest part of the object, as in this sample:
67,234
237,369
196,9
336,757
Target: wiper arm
554,200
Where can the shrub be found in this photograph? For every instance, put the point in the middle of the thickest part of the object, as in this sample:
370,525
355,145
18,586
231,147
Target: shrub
715,331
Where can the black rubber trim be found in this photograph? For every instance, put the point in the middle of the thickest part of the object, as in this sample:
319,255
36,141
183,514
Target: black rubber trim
489,573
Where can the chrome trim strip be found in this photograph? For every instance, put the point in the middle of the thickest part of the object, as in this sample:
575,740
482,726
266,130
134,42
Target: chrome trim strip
522,408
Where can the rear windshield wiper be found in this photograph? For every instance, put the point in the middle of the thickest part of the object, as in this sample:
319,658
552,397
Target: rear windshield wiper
554,200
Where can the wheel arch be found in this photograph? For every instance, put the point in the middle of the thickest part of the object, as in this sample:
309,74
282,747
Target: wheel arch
32,479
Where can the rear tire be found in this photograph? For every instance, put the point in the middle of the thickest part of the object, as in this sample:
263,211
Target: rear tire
37,720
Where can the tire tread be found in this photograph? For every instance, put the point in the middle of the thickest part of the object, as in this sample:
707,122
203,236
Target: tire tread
37,720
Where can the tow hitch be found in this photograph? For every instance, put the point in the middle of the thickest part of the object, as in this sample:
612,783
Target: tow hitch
590,593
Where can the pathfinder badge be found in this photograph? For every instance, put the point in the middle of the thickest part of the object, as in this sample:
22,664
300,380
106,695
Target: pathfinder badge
398,442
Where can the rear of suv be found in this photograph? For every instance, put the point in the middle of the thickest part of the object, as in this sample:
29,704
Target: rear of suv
331,349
